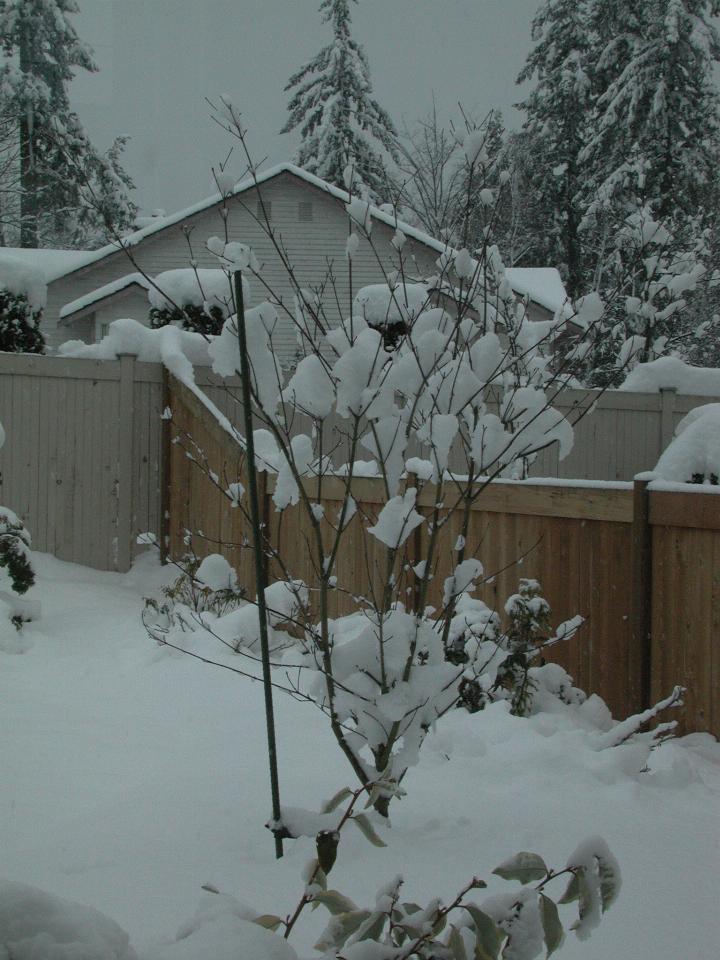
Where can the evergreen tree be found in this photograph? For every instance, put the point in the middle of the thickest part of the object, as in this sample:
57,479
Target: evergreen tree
68,192
340,123
19,324
556,127
657,111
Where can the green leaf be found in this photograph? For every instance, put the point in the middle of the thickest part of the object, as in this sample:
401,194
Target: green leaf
572,891
524,867
326,844
334,802
553,929
366,828
410,908
336,902
375,926
268,921
609,883
456,944
340,928
489,935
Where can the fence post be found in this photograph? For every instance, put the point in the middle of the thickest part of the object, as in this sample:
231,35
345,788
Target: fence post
126,433
667,420
641,554
165,467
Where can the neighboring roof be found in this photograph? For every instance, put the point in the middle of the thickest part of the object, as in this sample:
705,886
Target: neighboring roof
545,289
92,298
52,263
542,284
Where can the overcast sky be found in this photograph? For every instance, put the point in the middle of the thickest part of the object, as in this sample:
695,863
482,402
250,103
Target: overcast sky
160,59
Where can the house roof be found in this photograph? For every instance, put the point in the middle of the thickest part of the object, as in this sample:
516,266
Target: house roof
94,297
543,284
53,264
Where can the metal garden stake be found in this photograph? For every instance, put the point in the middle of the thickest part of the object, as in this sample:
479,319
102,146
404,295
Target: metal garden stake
259,564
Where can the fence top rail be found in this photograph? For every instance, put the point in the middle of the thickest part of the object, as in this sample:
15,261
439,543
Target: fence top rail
693,506
577,500
71,368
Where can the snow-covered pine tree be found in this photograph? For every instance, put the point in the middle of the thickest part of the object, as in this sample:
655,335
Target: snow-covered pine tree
556,120
340,123
58,169
654,139
23,295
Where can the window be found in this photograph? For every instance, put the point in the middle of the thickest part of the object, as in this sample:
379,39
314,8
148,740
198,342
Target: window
305,211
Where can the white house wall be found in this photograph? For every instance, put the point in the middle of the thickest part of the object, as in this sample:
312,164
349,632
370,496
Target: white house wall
311,248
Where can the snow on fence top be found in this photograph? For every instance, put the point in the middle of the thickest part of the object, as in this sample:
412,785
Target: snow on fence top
673,373
694,454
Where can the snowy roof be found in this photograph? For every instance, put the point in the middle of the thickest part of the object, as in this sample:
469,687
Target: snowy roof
52,263
543,284
107,290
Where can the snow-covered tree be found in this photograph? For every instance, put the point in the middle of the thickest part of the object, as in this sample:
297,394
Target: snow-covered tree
654,137
556,112
23,293
341,125
57,167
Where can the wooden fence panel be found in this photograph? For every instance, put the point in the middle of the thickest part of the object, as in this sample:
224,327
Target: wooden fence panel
61,464
686,602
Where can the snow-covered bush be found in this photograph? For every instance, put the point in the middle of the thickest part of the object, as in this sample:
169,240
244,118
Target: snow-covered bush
693,456
208,585
191,298
516,924
23,295
16,572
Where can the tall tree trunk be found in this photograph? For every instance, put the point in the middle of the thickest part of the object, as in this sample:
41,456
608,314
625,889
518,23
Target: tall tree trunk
28,181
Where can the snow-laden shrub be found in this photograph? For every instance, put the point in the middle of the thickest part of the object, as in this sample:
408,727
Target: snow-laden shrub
16,572
693,456
23,295
518,923
208,585
199,300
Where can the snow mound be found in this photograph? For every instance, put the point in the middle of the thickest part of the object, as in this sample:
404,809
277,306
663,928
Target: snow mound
694,454
35,925
222,929
216,573
382,305
177,349
668,372
23,279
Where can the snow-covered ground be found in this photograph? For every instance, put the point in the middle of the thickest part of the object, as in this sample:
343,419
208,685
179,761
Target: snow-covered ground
132,775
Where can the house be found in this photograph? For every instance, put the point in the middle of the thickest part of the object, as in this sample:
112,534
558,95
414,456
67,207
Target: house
89,289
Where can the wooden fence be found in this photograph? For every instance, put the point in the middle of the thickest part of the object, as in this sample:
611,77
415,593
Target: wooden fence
81,462
88,465
642,565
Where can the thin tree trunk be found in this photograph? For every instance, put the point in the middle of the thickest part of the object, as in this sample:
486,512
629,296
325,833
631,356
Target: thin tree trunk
28,183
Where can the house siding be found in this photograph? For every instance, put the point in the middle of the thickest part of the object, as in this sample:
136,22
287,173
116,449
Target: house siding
315,248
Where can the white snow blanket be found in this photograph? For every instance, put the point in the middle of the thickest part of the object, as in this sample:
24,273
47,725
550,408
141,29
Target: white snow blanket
35,925
695,451
669,372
